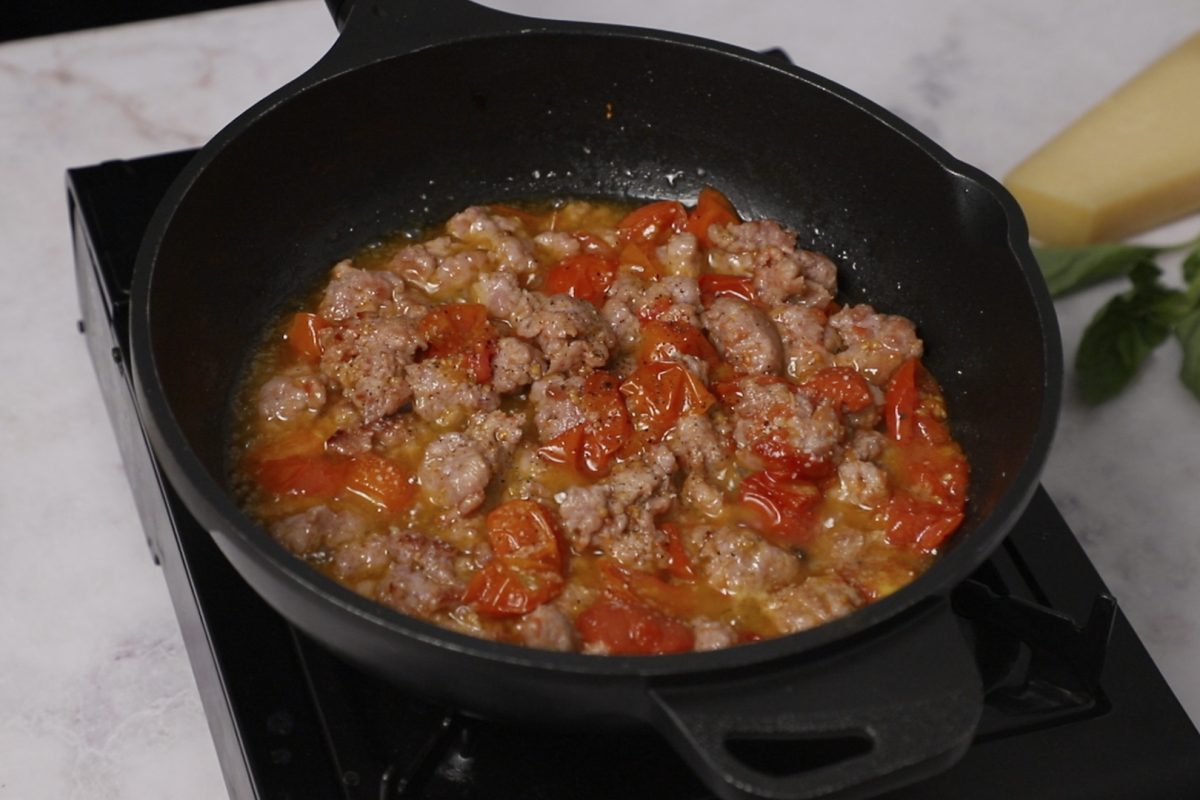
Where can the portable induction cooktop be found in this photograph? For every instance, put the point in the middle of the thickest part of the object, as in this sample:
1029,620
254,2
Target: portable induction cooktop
1074,708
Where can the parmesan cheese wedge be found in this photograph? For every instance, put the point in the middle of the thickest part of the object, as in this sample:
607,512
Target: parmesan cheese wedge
1128,164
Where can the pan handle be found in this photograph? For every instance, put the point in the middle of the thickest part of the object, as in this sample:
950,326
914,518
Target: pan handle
862,721
373,29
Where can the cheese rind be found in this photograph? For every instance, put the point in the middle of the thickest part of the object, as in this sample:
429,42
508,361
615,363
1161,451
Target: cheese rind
1128,164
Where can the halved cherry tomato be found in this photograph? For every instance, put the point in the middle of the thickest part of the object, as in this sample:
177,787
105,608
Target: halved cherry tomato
300,442
591,243
655,308
634,587
503,589
937,473
679,564
319,477
633,630
303,335
586,276
381,481
462,330
658,394
713,286
590,447
666,341
842,385
914,408
785,459
918,524
712,208
783,506
653,223
640,262
900,402
526,530
449,328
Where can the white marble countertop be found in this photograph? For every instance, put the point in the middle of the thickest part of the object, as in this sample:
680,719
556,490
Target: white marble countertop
96,695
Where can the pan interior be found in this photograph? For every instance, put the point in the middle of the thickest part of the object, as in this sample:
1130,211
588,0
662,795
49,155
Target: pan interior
407,141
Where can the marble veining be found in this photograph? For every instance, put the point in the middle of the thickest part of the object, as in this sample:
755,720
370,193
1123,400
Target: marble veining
96,696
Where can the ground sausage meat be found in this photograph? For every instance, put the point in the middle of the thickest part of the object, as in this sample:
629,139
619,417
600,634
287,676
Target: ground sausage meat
744,336
602,429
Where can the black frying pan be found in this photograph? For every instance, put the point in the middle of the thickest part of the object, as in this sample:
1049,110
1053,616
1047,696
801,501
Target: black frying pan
423,108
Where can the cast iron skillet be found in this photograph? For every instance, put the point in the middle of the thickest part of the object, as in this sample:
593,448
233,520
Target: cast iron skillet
423,108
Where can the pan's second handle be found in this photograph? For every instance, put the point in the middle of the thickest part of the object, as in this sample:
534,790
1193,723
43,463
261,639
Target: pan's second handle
848,726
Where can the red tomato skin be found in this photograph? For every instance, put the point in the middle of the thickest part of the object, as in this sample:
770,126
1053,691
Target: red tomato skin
783,459
382,482
919,525
653,223
585,276
319,477
679,563
842,385
712,208
658,394
666,341
303,335
784,506
461,331
590,447
525,529
500,589
713,286
900,402
633,630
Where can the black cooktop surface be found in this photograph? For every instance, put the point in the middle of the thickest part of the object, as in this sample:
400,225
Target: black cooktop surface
1074,706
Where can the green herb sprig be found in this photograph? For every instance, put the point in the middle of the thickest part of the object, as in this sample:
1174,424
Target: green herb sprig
1131,325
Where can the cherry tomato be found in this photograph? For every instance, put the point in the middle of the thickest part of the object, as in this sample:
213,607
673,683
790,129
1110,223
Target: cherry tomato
462,331
842,385
918,524
447,328
653,223
937,473
526,530
783,506
319,477
303,335
714,286
712,208
667,341
586,276
503,589
590,447
914,408
679,564
640,262
380,481
658,394
900,402
633,630
591,243
785,459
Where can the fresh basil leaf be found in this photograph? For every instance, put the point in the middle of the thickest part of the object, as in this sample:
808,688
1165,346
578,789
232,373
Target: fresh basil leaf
1069,269
1125,331
1187,330
1191,268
